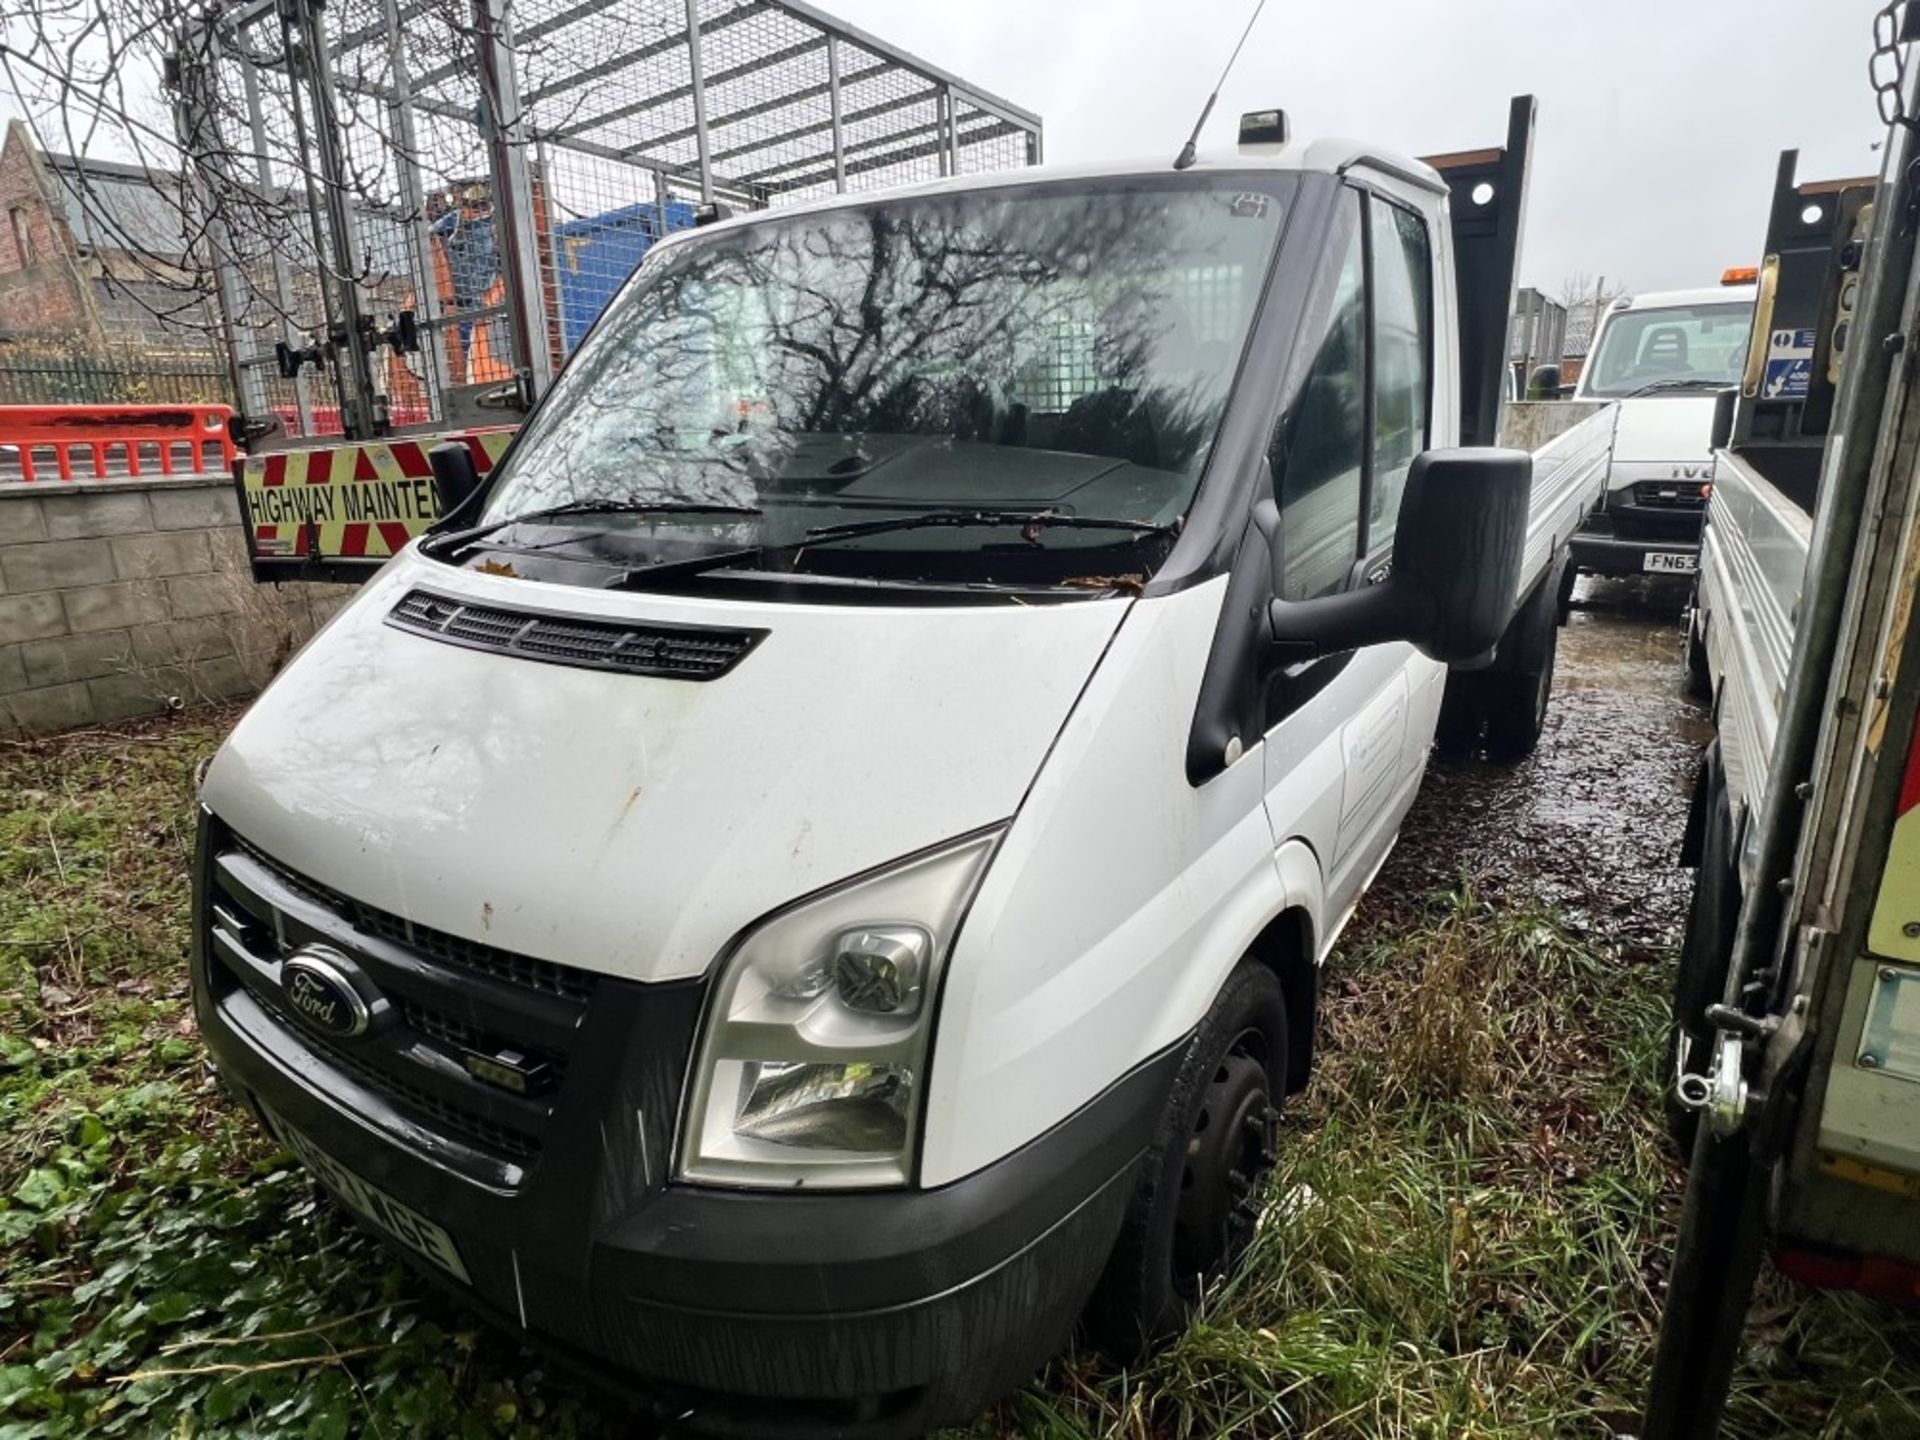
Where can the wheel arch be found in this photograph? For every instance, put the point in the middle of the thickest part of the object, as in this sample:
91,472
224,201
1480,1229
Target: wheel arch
1286,946
1278,920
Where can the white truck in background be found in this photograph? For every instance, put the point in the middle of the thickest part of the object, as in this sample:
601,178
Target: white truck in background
822,880
1662,357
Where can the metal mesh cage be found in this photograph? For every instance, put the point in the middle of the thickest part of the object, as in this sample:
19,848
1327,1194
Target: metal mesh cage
505,231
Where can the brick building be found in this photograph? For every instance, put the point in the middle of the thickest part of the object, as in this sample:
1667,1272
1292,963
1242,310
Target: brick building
93,252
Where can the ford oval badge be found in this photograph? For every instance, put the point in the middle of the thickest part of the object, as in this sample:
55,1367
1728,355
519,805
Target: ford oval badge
318,983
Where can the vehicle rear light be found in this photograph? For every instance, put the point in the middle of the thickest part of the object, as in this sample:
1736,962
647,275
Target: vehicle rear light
1894,1282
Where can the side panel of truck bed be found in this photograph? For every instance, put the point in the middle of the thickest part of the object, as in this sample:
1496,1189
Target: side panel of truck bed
1753,560
1569,477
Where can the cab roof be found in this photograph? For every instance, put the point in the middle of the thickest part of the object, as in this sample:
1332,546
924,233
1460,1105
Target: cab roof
1699,295
1328,156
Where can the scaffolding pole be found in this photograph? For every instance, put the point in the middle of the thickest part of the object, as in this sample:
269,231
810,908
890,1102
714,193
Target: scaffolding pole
282,282
513,200
694,59
839,115
413,201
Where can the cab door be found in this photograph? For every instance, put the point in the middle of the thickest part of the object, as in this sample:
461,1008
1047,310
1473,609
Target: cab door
1346,733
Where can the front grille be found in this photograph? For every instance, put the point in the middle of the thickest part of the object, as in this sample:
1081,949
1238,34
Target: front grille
447,999
672,652
459,1039
521,970
1681,495
422,1105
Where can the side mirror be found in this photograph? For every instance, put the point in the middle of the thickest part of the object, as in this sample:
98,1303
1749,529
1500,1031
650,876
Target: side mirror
455,481
1456,566
1545,383
1721,435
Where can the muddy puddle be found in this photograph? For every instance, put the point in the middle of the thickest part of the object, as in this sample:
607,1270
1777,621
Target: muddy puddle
1591,821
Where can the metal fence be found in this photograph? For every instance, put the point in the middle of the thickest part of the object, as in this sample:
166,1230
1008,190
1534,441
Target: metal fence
83,381
498,171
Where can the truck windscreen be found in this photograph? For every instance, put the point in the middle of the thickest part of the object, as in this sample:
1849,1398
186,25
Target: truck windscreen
1061,348
1672,348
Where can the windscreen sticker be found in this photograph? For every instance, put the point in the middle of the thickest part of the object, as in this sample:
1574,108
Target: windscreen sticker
1789,365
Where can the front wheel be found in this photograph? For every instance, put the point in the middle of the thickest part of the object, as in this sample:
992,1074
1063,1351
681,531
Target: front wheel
1201,1187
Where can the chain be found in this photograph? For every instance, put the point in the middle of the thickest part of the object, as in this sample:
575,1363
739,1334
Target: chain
1887,69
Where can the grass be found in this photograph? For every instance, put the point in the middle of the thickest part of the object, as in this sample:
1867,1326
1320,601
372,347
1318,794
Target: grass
1466,1237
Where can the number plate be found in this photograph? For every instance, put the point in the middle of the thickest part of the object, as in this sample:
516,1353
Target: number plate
403,1223
1891,1040
1670,562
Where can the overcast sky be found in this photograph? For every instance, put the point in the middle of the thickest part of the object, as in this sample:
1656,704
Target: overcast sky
1660,120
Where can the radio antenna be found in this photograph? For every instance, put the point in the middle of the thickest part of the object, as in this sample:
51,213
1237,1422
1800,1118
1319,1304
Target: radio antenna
1190,150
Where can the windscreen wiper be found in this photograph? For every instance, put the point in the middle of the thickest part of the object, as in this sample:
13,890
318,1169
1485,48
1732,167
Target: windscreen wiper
444,545
1031,523
1698,382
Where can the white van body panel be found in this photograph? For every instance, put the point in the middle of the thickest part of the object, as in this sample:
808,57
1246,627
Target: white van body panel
634,826
1662,437
1114,910
1123,896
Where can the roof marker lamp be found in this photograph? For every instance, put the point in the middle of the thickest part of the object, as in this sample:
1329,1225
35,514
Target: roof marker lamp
812,1067
1264,127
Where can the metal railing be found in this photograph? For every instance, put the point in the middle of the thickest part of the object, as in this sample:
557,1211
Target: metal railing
87,381
497,173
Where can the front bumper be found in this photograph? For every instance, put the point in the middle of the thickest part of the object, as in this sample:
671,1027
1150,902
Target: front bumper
1600,554
738,1312
1617,538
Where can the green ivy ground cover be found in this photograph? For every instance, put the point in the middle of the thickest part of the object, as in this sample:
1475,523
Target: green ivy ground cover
1468,1234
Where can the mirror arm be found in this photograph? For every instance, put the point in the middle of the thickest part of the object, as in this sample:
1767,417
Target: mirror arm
1303,630
455,480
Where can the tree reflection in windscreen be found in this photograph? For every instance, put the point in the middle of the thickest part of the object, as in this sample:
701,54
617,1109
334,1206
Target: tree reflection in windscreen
1063,349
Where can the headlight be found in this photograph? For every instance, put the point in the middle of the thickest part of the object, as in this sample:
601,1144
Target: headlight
812,1067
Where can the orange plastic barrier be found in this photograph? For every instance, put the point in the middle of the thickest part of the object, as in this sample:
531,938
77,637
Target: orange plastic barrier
326,418
86,440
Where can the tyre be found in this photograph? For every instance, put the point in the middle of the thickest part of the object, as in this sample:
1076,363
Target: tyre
1706,949
1717,1257
1569,574
1462,715
1517,688
1699,676
1200,1188
1517,709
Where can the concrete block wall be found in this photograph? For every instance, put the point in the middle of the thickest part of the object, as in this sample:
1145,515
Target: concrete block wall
132,597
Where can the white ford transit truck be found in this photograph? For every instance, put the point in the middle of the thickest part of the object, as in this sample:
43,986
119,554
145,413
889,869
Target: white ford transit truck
812,878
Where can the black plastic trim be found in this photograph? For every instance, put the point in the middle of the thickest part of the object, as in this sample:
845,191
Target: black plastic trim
1232,700
706,1249
653,635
